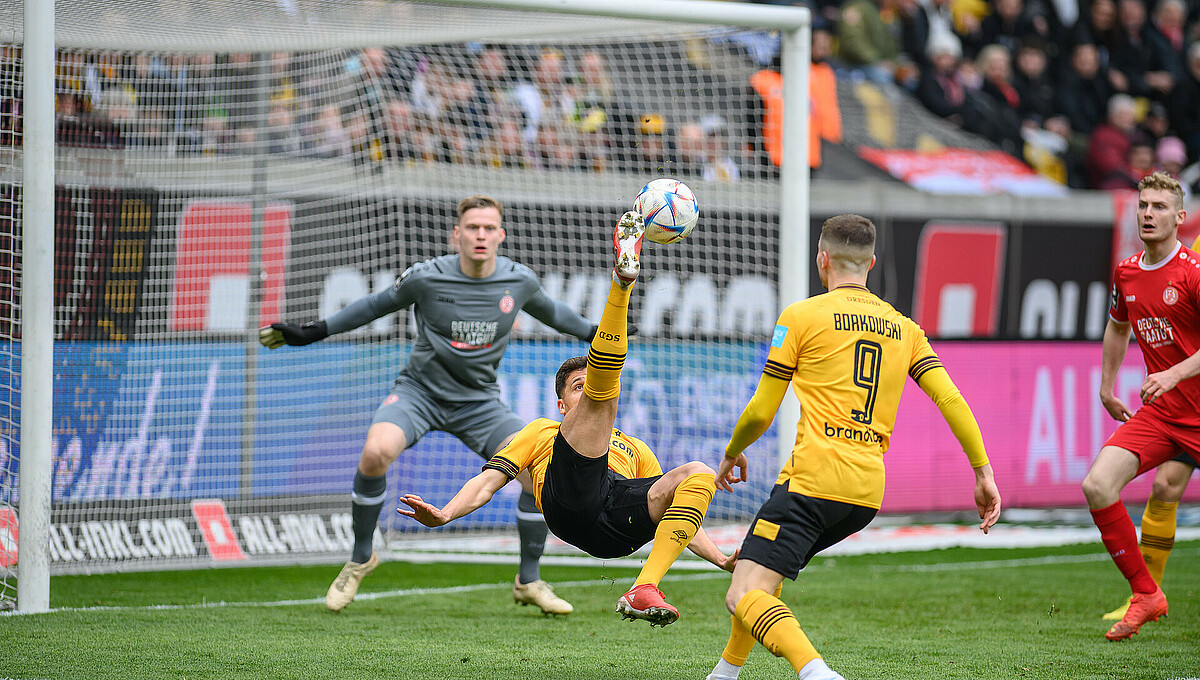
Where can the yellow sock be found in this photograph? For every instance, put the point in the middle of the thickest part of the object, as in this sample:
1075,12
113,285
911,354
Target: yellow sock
737,650
607,355
679,525
1158,536
772,624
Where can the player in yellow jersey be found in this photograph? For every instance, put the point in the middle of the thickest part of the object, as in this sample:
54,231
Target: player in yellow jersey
846,354
598,488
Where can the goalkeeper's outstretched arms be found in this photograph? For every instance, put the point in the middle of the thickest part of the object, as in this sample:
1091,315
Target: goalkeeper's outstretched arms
358,313
473,495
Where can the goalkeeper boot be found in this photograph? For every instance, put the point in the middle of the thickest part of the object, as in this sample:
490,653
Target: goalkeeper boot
646,602
627,241
1143,608
345,586
1118,613
541,594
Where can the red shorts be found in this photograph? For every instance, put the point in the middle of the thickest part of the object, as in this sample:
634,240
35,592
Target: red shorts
1155,441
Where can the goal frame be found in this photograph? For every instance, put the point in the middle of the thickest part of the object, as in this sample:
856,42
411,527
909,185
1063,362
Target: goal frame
37,284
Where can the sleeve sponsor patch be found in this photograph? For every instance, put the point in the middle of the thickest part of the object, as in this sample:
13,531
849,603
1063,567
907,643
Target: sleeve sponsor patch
778,336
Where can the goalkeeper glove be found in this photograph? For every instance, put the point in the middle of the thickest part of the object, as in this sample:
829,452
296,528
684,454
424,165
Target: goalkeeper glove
630,330
282,333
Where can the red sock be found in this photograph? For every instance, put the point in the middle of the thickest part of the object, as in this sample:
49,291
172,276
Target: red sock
1120,539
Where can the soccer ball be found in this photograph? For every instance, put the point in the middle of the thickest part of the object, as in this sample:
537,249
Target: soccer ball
669,209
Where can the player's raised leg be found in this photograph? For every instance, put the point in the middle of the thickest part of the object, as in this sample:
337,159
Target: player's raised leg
385,441
1159,522
1113,468
678,502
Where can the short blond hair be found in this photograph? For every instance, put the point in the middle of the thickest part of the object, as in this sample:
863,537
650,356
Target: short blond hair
1163,181
479,201
850,242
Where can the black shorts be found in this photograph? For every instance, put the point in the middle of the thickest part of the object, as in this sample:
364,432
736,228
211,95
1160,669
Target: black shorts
593,508
1185,458
790,528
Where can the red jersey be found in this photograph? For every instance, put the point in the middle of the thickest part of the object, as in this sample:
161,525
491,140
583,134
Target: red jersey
1162,302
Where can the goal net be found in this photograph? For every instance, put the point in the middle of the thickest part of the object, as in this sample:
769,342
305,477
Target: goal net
226,165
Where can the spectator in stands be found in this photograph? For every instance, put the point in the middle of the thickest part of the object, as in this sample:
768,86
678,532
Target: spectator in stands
504,148
1171,155
918,19
494,81
1099,28
401,143
651,146
282,137
594,102
1083,91
765,111
1108,148
1008,24
1143,55
1156,124
1033,82
546,98
1170,23
443,98
558,146
236,79
864,43
1139,162
1047,148
1185,102
941,88
998,100
329,136
719,162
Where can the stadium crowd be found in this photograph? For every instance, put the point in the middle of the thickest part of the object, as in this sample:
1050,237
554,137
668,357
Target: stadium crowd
1094,94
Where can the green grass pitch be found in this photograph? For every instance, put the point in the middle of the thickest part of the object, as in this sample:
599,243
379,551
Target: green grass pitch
959,613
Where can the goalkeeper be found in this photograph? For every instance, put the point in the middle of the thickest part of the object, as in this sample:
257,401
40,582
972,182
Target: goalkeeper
465,305
600,489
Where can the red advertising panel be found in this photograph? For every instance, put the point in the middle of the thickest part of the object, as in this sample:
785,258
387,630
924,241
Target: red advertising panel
217,530
8,537
960,270
212,257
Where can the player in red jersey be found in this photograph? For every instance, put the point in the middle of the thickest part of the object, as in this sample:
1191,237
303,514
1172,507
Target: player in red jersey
1156,294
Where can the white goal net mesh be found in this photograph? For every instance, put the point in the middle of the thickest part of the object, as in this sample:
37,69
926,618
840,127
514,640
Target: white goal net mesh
10,317
209,181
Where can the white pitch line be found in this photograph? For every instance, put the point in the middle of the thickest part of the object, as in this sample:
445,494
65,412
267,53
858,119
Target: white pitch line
407,592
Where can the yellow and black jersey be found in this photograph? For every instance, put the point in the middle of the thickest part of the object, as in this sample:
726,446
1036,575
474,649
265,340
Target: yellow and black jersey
847,354
533,447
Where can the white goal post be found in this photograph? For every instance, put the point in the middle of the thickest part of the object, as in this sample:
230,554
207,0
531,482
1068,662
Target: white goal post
219,166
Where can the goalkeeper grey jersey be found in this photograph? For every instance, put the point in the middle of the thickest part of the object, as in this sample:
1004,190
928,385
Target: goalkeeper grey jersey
463,323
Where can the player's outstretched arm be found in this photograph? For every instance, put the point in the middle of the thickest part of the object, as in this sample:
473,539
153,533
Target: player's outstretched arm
472,496
756,418
702,546
987,497
297,335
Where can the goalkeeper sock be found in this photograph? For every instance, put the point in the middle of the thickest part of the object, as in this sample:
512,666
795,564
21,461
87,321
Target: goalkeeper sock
1158,536
365,504
678,526
737,650
1120,539
607,355
772,624
532,530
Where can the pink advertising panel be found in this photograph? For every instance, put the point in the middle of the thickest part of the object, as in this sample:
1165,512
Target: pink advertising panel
1042,423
